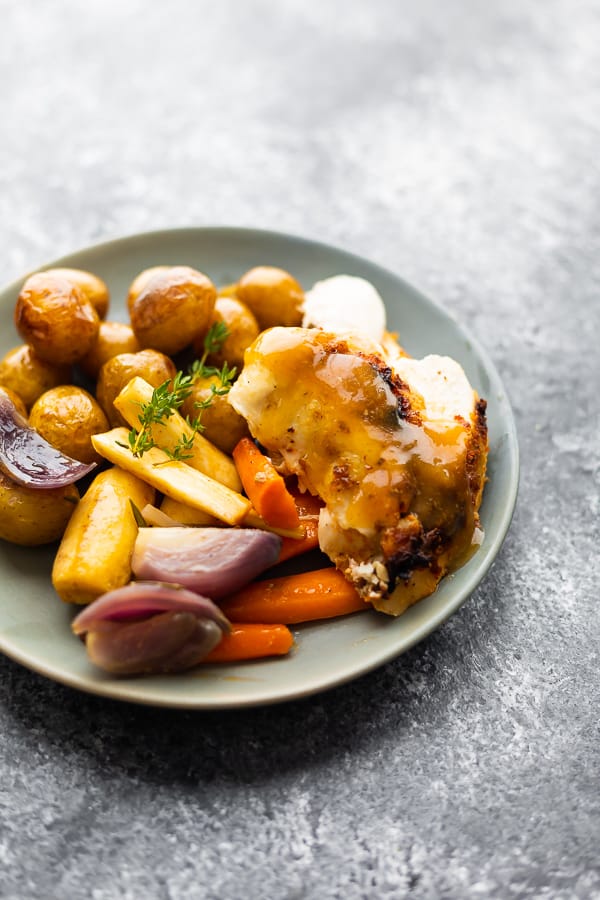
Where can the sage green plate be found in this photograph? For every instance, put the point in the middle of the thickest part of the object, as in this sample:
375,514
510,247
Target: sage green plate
34,623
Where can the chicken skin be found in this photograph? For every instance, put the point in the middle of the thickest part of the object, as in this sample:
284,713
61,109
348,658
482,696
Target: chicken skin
397,455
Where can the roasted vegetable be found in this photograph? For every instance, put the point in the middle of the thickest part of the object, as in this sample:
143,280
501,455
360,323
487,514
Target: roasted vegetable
174,478
148,627
273,295
92,287
212,561
113,339
55,317
33,517
242,329
95,553
67,417
28,375
220,423
27,458
173,308
152,366
168,434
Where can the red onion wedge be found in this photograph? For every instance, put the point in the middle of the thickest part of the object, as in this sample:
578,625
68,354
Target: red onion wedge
212,561
27,458
147,627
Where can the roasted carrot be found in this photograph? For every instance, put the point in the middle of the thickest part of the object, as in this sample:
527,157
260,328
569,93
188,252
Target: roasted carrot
295,546
320,594
264,486
308,508
251,641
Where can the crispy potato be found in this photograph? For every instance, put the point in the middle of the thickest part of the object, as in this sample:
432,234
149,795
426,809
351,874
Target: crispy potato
227,290
31,517
140,282
113,338
54,316
92,287
242,327
15,400
28,375
221,424
273,295
67,417
152,366
174,307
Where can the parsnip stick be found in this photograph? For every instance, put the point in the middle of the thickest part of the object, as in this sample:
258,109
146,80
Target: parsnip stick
185,515
174,478
204,456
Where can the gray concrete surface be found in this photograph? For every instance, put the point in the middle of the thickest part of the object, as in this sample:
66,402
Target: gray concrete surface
458,144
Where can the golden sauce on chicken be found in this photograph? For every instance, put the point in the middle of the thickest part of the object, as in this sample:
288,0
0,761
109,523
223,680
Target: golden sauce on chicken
401,486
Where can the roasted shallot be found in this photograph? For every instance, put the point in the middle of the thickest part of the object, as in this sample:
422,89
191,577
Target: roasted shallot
27,458
212,561
149,627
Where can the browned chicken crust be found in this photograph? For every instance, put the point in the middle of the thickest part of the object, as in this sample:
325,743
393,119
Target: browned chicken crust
401,492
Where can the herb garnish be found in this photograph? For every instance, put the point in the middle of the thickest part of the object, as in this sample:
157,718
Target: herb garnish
169,396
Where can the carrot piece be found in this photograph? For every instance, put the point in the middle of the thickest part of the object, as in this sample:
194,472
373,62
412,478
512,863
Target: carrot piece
320,594
251,641
264,486
295,546
308,507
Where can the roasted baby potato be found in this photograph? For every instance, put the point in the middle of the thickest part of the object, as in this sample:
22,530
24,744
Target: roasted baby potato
242,329
152,366
15,400
54,316
140,281
92,287
113,338
273,295
95,553
67,417
31,517
221,424
174,307
28,375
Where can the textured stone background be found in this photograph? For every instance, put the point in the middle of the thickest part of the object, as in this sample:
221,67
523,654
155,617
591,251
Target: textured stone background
457,143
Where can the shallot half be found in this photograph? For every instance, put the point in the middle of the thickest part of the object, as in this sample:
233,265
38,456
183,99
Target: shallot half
27,458
149,628
212,561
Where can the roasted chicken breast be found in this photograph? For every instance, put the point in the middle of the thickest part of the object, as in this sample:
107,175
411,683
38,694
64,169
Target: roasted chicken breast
397,453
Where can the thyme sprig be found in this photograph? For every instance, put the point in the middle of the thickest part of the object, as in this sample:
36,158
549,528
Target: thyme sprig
168,397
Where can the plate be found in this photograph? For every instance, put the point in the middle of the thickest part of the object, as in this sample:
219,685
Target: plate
34,623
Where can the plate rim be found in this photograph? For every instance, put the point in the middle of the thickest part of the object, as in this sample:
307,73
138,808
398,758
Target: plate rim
124,691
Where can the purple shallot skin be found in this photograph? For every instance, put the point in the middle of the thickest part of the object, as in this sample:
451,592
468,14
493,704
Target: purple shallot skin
212,561
150,628
28,459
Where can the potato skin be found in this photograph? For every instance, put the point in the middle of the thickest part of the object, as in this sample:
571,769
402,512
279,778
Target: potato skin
221,424
151,365
53,316
15,400
175,307
273,295
95,553
67,417
140,282
28,375
242,327
33,517
113,338
91,286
